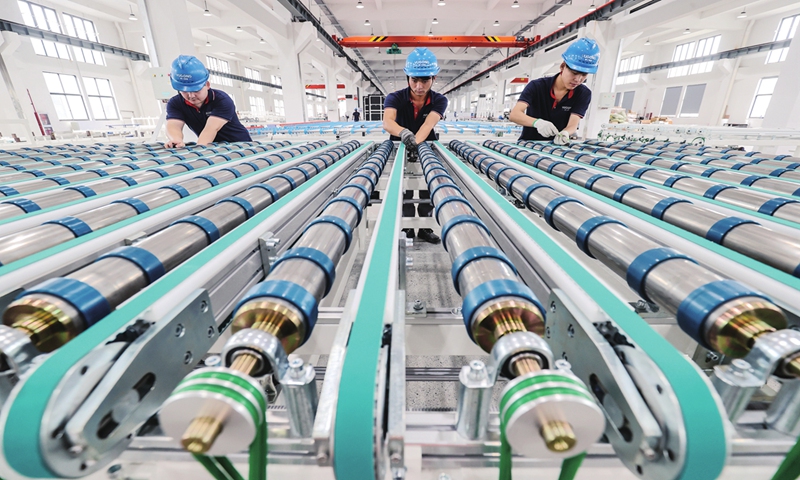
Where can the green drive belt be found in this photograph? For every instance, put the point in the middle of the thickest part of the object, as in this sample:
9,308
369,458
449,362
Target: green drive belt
21,431
354,435
706,441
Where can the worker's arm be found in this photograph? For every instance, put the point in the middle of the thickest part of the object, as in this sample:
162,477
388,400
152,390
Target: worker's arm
425,130
174,133
209,133
518,115
390,122
572,126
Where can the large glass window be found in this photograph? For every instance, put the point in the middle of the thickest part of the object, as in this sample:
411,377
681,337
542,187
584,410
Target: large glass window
672,97
626,65
84,29
213,63
692,99
46,19
101,98
763,95
276,80
66,95
254,75
785,31
687,51
279,110
257,106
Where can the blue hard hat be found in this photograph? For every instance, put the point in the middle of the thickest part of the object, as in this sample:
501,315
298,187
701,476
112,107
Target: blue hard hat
582,55
188,74
421,62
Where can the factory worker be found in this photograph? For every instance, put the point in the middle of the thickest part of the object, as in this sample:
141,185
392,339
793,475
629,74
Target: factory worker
550,108
409,116
209,113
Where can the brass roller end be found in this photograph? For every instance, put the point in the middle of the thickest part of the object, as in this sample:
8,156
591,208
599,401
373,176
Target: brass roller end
272,317
558,436
735,330
47,325
200,435
524,364
793,367
504,317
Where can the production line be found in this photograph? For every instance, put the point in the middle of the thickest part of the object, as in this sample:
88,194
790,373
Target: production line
179,312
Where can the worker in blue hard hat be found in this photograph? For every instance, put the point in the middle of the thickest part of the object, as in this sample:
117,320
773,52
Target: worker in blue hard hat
209,113
550,108
409,115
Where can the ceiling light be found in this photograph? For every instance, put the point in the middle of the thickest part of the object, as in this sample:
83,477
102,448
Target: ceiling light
743,14
647,42
206,12
239,29
434,22
232,54
440,3
496,23
366,22
687,32
262,41
592,8
561,25
132,16
359,4
515,4
208,44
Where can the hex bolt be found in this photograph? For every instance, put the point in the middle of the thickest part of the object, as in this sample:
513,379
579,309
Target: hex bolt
562,364
296,367
213,361
417,305
740,366
477,370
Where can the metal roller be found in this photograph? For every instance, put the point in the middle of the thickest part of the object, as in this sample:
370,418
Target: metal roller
54,232
277,316
714,151
720,314
56,310
499,310
744,236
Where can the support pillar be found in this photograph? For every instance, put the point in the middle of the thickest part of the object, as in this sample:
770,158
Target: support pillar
783,111
603,81
166,36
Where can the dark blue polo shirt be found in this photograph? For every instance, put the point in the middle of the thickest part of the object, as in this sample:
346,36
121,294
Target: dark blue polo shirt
542,103
407,117
218,104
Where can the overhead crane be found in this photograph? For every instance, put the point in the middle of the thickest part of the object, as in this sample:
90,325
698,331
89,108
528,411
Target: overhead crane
432,41
176,312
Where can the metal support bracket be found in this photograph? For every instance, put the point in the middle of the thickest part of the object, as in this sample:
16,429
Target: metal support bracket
268,248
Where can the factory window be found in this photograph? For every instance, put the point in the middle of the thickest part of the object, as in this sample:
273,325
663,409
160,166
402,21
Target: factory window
66,95
218,65
276,80
46,19
254,75
763,95
84,29
627,100
669,106
692,98
101,98
626,65
279,110
688,51
257,106
785,31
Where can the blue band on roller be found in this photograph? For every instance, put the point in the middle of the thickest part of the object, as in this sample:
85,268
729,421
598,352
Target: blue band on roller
671,180
698,305
39,173
132,166
631,155
614,166
586,229
555,203
352,201
646,261
317,257
77,226
177,189
289,179
491,164
343,226
707,161
459,219
83,190
446,200
251,165
513,179
779,172
137,204
594,161
209,162
435,168
269,188
590,183
213,181
101,173
149,263
531,188
678,165
358,186
105,162
128,180
500,172
291,292
738,166
793,166
650,161
162,173
642,171
709,172
157,160
367,177
621,191
578,156
90,303
570,171
306,175
477,253
751,179
769,207
712,192
750,154
232,171
316,168
17,167
246,206
662,206
179,157
8,191
59,180
554,165
492,289
444,185
26,205
682,155
721,228
781,157
212,232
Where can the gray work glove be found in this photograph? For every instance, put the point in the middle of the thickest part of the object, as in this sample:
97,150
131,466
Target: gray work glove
545,128
408,138
561,138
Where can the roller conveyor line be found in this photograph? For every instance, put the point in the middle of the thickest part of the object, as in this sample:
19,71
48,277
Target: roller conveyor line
43,200
54,232
40,154
710,151
779,250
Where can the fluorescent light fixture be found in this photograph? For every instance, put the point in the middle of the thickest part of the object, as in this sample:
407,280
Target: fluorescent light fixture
496,23
434,22
262,41
366,22
359,4
647,42
743,14
592,8
208,44
561,25
132,16
687,32
206,12
239,29
515,4
440,3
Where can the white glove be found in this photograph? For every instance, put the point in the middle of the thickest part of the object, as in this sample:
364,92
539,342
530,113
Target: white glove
561,138
408,138
545,128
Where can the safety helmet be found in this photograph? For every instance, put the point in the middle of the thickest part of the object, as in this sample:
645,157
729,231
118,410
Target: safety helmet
188,74
582,55
421,62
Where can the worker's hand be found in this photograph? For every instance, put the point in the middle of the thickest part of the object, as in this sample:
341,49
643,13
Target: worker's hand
545,128
561,138
174,144
408,138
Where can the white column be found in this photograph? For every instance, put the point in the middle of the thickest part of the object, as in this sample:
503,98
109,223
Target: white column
784,108
332,101
167,30
602,81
